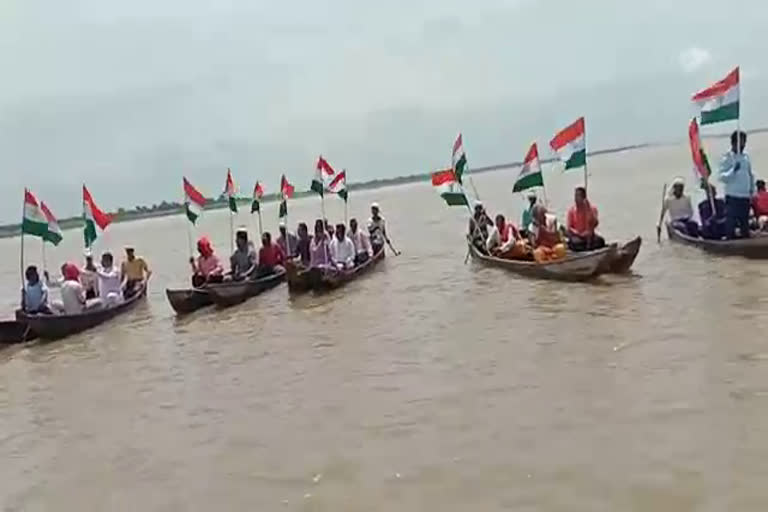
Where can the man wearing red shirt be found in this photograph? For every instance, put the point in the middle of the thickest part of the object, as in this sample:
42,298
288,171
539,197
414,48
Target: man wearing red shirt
271,256
760,205
581,223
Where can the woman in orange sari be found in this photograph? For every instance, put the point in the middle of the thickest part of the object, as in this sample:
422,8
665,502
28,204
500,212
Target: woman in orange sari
504,241
545,237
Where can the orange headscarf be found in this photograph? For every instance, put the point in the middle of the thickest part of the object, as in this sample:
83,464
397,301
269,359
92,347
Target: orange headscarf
204,246
70,272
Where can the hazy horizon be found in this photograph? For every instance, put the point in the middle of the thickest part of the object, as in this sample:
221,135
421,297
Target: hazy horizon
129,98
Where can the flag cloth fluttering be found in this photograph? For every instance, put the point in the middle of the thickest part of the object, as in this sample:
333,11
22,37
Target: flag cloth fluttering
33,221
700,160
229,191
459,159
93,218
323,170
530,174
448,187
719,102
194,202
338,185
286,191
53,235
258,192
570,145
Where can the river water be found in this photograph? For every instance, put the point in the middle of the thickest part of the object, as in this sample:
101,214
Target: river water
427,385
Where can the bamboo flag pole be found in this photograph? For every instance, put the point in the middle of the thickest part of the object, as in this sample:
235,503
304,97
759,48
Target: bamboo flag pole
21,255
586,172
42,251
346,200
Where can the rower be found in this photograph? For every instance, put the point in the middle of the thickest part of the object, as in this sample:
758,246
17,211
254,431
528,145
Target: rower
271,257
760,205
582,222
736,174
527,218
545,236
479,225
712,226
134,271
243,260
291,247
678,204
208,267
362,242
342,249
377,229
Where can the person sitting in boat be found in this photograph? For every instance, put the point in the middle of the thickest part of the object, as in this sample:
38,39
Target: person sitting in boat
34,295
110,281
72,292
135,272
680,210
377,229
319,250
479,227
243,260
760,206
545,236
712,226
361,241
303,242
88,277
504,240
527,218
581,223
207,268
271,257
328,229
342,249
287,241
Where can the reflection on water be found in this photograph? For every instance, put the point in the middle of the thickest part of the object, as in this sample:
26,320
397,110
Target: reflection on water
427,384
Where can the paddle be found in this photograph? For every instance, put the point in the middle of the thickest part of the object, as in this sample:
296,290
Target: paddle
394,251
661,214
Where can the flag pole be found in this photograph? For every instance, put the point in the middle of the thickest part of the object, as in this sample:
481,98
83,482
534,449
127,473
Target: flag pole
231,231
21,256
261,231
346,200
42,251
586,172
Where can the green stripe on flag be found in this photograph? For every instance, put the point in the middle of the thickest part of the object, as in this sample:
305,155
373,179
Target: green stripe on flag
317,187
728,112
529,181
578,159
192,216
232,204
255,206
89,232
461,165
30,227
454,198
52,237
283,209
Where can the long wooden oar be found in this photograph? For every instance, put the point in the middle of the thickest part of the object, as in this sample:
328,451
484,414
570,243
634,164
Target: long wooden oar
661,213
394,251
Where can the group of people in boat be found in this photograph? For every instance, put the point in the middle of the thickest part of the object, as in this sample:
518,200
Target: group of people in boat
539,238
744,209
85,288
329,247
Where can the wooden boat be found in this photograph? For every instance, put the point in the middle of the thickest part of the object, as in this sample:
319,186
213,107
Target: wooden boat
755,247
235,292
54,327
15,331
187,300
576,266
320,280
624,257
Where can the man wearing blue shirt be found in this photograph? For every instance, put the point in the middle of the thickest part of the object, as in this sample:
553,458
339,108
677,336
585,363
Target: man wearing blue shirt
736,174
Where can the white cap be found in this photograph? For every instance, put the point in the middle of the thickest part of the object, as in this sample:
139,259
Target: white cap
678,181
88,252
478,203
281,223
531,195
375,205
242,229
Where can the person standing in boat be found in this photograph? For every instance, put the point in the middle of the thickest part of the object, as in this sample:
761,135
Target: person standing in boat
319,250
271,257
581,223
342,249
527,218
680,210
377,229
713,224
88,277
110,281
207,268
135,272
736,174
243,261
361,241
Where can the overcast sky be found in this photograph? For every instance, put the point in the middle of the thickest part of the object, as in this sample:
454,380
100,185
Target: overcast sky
130,96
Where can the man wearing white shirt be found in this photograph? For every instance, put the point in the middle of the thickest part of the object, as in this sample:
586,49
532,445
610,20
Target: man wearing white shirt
680,210
110,281
362,242
342,249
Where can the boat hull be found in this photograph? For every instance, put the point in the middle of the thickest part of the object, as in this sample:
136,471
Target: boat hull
581,266
188,300
54,327
15,331
624,257
236,292
755,247
322,280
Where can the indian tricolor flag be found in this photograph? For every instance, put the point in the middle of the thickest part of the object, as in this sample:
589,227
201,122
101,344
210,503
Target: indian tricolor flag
571,146
323,171
530,175
459,158
449,188
338,185
720,102
700,162
93,218
286,191
33,221
54,231
258,192
229,191
194,201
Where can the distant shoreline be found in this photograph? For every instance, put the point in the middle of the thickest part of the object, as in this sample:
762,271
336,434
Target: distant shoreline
166,209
